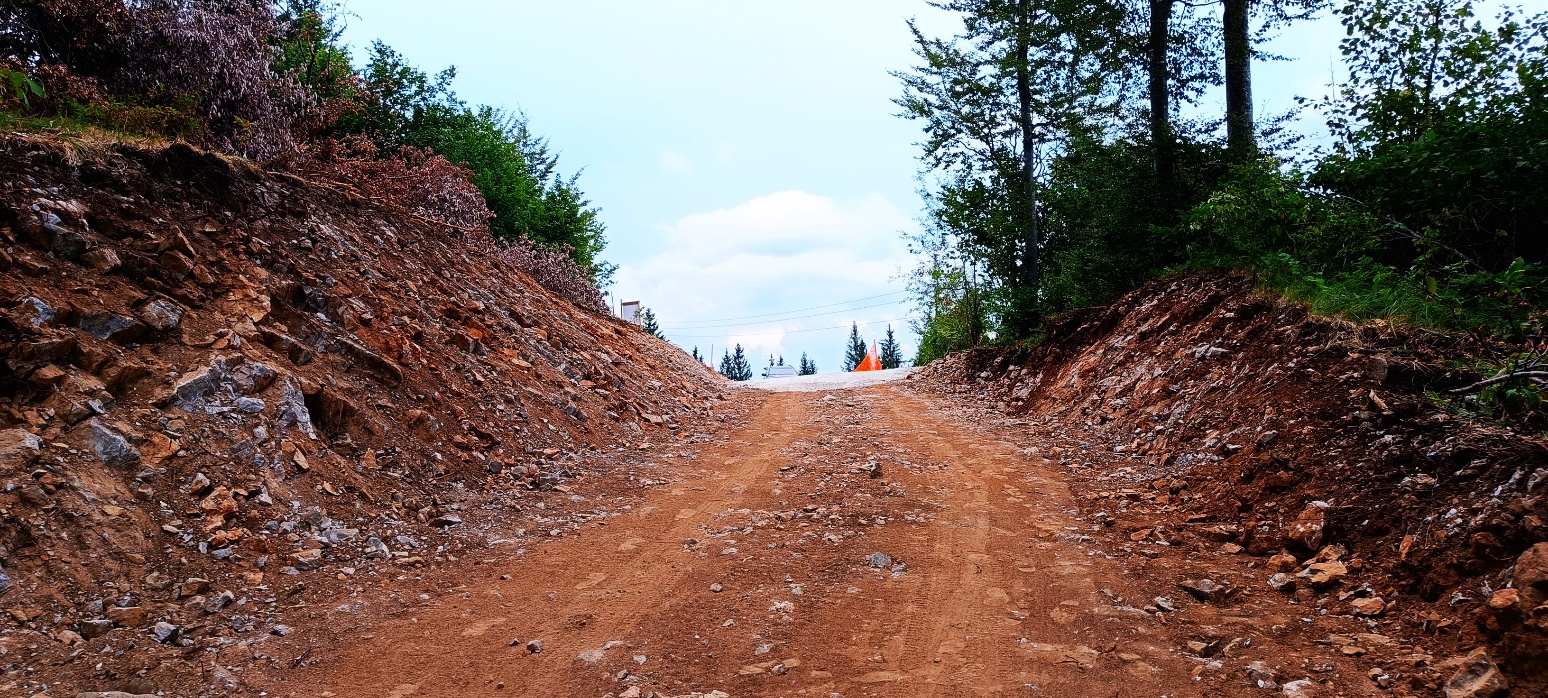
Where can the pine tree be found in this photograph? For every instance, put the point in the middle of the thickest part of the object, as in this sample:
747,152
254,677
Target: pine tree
857,351
735,365
781,359
648,322
808,367
891,353
696,356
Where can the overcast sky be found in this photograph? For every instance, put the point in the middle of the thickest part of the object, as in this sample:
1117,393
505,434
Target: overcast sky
746,156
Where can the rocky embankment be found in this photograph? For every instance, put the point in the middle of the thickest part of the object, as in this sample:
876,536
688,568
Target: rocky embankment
227,392
1200,411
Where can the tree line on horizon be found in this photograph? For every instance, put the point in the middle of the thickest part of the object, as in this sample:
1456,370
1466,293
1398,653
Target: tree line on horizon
1070,153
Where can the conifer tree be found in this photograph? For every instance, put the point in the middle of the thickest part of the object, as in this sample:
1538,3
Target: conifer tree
891,353
734,365
856,353
808,367
648,322
696,356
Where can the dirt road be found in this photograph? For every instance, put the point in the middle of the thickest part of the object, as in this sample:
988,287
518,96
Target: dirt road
857,544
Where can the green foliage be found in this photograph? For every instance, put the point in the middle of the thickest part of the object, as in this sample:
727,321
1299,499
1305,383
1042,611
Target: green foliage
19,86
511,166
855,350
734,365
649,324
807,367
890,354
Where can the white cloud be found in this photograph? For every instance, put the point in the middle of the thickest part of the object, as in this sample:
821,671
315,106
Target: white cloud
715,272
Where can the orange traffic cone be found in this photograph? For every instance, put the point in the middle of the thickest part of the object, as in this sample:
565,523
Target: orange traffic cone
871,363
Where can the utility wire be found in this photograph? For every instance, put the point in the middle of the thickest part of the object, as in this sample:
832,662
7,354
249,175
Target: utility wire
786,312
786,319
819,329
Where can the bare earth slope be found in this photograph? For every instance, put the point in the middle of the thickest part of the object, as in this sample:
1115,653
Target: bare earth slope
227,393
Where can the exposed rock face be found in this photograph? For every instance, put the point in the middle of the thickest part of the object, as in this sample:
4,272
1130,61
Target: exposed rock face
196,356
1477,677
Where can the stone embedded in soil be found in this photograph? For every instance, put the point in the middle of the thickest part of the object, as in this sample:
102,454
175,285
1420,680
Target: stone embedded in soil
535,646
111,447
1373,606
1206,590
1280,581
1324,574
1303,688
19,446
1531,575
1307,531
880,560
1504,599
1476,677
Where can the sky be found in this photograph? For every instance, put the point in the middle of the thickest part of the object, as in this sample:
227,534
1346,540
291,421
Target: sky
746,157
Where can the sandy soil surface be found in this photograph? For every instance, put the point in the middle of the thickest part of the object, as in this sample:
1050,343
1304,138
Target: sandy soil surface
865,543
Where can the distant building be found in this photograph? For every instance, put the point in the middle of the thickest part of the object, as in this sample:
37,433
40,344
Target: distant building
630,311
779,372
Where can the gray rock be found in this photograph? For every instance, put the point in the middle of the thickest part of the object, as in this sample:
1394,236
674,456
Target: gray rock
879,560
161,315
165,632
292,411
250,405
1280,581
218,602
112,447
32,313
46,231
535,646
446,520
1165,604
1303,688
111,327
281,630
1206,590
5,582
1477,677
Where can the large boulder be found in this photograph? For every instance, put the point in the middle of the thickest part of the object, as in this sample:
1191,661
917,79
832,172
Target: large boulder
1531,576
113,448
1307,531
1476,677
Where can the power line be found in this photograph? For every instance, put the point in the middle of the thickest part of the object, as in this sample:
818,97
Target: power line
819,329
786,312
786,319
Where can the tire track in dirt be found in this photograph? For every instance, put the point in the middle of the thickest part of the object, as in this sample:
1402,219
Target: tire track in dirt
998,593
574,596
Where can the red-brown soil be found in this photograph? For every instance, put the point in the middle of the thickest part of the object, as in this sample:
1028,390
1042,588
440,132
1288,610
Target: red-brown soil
365,461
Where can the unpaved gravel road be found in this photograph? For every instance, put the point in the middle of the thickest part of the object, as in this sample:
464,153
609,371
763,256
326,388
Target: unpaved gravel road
983,595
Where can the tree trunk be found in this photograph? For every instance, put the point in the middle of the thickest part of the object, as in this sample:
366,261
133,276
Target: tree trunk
1031,273
1241,141
1161,136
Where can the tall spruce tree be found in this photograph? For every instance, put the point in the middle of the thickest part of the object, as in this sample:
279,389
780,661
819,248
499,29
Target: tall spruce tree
736,366
891,354
855,353
648,322
808,367
696,356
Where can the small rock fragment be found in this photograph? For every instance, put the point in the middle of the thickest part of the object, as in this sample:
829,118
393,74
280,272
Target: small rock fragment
1477,677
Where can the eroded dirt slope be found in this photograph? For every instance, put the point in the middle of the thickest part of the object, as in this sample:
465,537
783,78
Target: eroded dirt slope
227,393
1203,413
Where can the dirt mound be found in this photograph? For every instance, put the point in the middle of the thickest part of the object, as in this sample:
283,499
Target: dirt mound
1245,420
226,391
